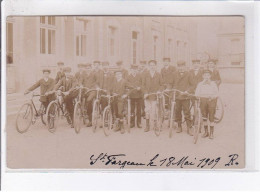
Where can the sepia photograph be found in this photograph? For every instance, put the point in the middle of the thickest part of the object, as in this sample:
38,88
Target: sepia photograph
125,92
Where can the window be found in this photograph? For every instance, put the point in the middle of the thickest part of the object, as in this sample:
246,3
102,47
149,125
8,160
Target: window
134,46
47,35
42,43
83,45
9,43
170,48
112,41
81,37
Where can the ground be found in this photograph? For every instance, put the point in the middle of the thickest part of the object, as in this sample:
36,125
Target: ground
38,148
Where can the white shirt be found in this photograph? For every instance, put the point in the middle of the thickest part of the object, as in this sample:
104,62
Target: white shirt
207,89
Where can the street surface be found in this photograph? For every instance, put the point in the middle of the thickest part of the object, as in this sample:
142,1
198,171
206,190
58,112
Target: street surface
38,148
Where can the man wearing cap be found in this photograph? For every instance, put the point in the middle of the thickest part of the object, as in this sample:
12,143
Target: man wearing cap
167,73
215,76
207,90
68,83
152,83
123,70
119,87
196,72
46,84
184,83
105,82
135,96
60,73
142,71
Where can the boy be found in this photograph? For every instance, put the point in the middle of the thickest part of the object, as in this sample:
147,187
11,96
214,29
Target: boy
207,90
46,84
215,76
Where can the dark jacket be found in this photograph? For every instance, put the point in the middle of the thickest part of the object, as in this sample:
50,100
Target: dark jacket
44,87
215,76
183,82
120,87
80,77
90,80
168,76
196,77
68,84
105,80
152,84
59,76
135,81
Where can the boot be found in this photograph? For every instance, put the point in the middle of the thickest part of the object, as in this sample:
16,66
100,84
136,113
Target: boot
211,132
147,128
139,125
190,131
179,129
117,125
206,133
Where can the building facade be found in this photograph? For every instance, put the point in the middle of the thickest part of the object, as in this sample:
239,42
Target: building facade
34,43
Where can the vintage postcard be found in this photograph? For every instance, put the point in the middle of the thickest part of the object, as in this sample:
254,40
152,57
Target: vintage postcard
125,92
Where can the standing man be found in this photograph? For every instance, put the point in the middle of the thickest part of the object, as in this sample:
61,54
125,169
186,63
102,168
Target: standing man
90,82
142,71
184,83
196,72
167,73
122,69
152,83
135,96
68,82
46,85
60,73
119,87
215,76
105,82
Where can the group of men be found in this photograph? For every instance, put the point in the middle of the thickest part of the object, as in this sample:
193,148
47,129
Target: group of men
140,83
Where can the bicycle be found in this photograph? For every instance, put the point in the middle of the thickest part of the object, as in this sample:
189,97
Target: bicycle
159,112
80,112
108,115
55,110
29,114
96,113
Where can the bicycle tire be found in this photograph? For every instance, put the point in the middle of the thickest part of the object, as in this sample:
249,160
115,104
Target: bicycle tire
28,113
107,121
52,115
77,117
95,114
196,126
128,115
219,119
171,119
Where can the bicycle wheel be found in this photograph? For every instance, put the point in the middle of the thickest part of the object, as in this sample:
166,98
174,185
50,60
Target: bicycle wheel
43,114
197,125
77,117
52,116
171,118
159,119
219,114
95,115
24,118
128,115
107,121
